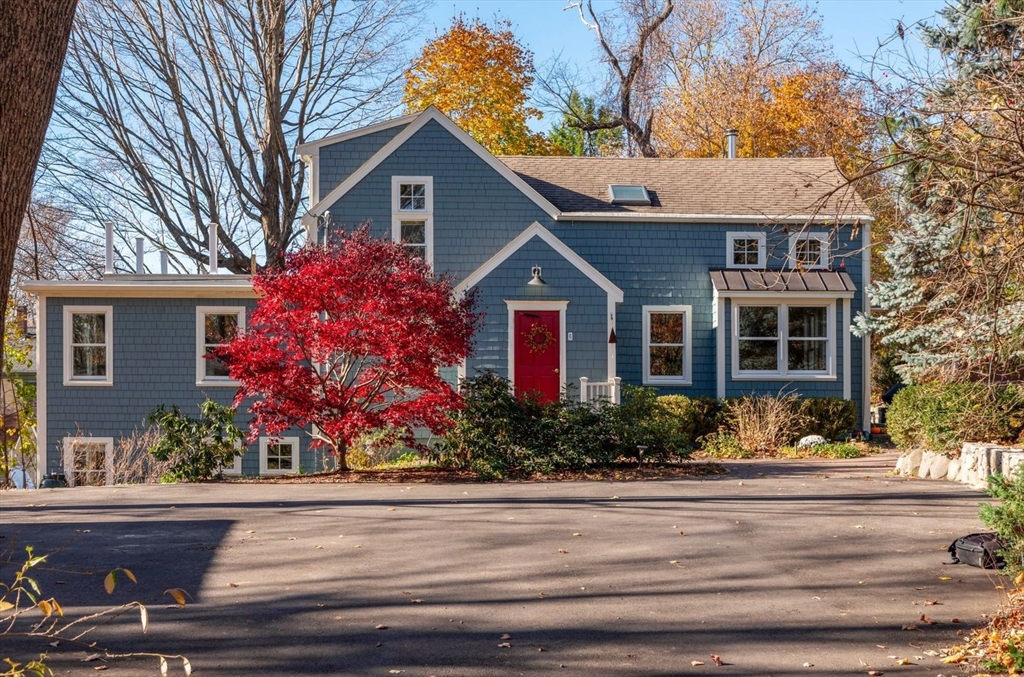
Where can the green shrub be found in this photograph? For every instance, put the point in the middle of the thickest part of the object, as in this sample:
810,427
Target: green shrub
196,449
831,417
1007,517
723,444
943,416
699,416
832,450
498,434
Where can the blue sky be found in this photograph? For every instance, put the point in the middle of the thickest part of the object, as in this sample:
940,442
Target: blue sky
855,26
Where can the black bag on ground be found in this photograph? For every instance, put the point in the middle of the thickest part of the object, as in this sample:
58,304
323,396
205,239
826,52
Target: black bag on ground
978,550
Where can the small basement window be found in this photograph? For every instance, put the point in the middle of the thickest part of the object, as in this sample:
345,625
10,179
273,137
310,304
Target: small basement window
623,194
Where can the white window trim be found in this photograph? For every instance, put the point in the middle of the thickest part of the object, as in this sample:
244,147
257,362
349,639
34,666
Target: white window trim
108,465
201,312
687,377
266,441
69,378
560,306
823,260
783,373
730,239
427,214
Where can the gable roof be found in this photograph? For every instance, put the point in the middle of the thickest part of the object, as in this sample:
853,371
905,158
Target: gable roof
742,189
390,147
564,250
310,147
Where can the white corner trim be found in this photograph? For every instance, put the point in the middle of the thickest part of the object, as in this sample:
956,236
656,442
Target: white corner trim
719,324
732,236
108,457
687,378
824,256
390,147
311,147
42,357
516,243
560,306
201,312
267,441
866,356
847,356
108,330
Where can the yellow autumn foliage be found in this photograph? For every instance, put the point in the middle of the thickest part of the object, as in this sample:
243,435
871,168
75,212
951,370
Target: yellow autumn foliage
479,77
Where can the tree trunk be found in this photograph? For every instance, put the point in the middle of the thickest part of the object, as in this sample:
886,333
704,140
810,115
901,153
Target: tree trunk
34,35
341,448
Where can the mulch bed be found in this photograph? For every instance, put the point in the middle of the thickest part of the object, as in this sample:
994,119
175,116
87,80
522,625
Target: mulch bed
434,475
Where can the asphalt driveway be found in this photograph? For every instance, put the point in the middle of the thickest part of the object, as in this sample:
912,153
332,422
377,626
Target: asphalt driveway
791,568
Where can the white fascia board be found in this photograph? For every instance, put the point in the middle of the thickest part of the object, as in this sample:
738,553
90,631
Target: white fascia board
515,244
310,147
785,295
390,147
711,218
147,286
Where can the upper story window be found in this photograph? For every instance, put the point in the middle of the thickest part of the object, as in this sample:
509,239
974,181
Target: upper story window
808,250
88,345
667,354
745,250
624,194
412,214
783,340
215,326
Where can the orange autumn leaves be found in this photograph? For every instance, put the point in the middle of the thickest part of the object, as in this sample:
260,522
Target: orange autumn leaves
479,77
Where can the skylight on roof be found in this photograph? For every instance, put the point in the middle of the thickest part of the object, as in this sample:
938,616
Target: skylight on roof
624,194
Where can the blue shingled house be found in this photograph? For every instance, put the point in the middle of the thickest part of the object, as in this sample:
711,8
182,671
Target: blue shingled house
715,277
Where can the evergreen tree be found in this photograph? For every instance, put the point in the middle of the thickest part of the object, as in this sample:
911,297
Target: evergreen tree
954,301
569,138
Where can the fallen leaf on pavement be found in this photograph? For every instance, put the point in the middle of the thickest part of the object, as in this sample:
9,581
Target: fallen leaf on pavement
926,620
875,673
506,636
903,661
381,627
696,663
716,660
910,626
932,602
504,645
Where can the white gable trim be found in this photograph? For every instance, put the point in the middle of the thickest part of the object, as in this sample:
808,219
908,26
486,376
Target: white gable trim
515,244
390,147
311,147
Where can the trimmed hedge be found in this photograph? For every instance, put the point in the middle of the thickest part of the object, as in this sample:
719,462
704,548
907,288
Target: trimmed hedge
942,417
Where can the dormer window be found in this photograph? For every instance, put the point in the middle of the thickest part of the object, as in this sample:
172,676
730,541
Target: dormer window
629,194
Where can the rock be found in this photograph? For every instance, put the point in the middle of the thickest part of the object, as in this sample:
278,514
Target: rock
953,473
939,467
810,441
926,464
909,462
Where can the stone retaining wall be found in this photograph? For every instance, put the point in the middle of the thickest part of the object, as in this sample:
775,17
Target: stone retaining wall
971,465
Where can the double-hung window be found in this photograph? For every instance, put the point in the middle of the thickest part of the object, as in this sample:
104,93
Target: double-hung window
216,326
667,353
808,250
789,340
88,345
745,250
412,215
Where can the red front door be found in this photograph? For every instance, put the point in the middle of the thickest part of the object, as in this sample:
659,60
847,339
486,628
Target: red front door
537,354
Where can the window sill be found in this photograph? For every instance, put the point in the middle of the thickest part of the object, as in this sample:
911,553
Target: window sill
219,383
76,383
775,376
667,382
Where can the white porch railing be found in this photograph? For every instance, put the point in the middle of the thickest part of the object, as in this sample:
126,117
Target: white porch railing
600,390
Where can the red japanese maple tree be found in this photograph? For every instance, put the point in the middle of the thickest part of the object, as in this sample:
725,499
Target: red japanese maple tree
350,338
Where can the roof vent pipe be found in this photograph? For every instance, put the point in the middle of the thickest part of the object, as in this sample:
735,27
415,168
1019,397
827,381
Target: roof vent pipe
730,139
140,256
213,248
108,266
163,261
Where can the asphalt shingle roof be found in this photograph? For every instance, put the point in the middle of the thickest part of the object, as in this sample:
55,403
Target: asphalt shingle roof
762,187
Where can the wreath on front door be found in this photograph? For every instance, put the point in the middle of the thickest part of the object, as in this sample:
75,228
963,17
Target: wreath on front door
539,338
